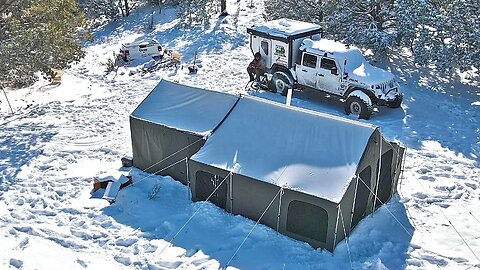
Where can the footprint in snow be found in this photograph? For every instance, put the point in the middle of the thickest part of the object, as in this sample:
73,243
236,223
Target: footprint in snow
126,242
16,263
82,263
24,243
123,260
471,185
420,195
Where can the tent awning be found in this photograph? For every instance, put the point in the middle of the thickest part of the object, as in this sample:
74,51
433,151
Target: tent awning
315,153
185,108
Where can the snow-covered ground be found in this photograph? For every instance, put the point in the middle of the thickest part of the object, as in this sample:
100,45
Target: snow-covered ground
61,137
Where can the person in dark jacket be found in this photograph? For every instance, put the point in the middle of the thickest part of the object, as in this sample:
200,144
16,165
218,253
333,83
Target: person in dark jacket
256,68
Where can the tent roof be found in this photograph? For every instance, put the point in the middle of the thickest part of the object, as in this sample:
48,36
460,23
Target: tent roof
302,150
185,108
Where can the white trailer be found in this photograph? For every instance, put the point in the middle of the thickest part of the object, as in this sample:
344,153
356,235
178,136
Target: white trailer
140,49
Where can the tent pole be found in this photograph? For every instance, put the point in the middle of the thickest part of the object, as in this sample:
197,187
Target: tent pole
8,101
354,199
346,239
402,168
188,179
378,175
279,207
230,191
336,228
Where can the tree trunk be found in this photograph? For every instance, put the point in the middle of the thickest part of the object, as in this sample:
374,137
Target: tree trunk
223,8
127,8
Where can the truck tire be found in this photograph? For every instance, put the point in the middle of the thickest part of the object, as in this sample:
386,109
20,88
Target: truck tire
280,83
358,106
396,102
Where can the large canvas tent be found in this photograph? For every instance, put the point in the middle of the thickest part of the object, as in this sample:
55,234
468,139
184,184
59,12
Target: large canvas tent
312,176
317,172
172,123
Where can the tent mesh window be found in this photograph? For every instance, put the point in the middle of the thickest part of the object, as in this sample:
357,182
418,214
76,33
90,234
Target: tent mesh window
385,179
206,184
307,220
363,192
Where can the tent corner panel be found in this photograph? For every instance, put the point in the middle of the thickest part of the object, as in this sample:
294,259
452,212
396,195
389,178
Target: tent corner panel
160,150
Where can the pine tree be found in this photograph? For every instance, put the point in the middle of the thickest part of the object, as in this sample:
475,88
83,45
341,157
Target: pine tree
303,10
366,23
197,11
443,33
38,35
95,9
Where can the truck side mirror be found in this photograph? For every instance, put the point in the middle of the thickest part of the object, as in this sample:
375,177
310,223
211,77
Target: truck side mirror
345,75
334,71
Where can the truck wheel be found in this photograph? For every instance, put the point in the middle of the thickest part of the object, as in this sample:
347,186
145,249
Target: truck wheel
358,106
280,83
396,102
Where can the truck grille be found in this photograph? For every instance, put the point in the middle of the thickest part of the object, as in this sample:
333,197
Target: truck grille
385,86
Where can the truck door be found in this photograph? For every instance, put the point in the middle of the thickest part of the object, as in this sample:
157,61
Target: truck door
143,49
328,78
307,70
266,51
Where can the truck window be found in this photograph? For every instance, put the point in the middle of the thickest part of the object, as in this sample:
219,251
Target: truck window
309,60
143,46
264,46
328,64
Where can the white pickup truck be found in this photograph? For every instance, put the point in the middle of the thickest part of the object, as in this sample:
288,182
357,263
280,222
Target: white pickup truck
295,55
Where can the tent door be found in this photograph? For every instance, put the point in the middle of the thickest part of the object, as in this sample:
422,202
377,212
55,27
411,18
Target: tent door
386,178
206,183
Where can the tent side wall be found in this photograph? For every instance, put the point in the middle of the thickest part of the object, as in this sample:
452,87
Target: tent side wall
302,216
397,164
152,142
345,213
379,169
362,197
388,169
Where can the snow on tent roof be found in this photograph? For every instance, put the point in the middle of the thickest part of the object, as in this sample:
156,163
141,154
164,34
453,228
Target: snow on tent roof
185,108
286,27
303,150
